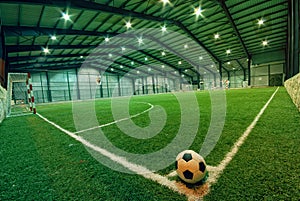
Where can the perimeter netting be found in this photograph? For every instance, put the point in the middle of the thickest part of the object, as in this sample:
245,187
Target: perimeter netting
19,100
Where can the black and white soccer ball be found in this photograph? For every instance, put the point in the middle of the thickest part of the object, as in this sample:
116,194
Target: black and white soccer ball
190,166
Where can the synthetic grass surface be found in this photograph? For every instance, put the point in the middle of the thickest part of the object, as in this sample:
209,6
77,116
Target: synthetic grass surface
42,163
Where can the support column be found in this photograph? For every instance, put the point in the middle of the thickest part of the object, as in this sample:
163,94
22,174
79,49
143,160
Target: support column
153,84
292,67
48,88
249,71
3,57
77,83
119,85
221,74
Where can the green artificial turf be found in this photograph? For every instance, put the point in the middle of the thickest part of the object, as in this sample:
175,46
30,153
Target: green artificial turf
43,163
267,166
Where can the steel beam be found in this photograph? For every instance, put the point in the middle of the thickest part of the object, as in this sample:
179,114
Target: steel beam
233,25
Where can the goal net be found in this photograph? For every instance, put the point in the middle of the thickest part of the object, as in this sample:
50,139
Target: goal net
20,99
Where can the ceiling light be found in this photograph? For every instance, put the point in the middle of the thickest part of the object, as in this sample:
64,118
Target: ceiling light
228,51
200,58
211,66
46,50
110,55
265,43
179,62
138,72
163,66
111,69
163,53
185,70
217,36
149,69
165,2
164,29
123,49
146,59
106,39
140,41
182,75
66,16
132,63
186,46
81,57
198,12
228,62
121,66
260,21
53,37
128,25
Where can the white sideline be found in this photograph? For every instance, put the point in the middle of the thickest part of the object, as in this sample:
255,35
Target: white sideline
138,169
108,124
235,148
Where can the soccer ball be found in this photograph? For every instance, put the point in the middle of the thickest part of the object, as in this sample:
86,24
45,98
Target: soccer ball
190,166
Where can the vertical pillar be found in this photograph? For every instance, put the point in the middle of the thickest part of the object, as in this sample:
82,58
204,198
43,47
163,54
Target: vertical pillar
146,84
249,71
3,56
48,88
153,84
69,89
108,94
180,79
42,87
133,86
119,85
77,84
221,74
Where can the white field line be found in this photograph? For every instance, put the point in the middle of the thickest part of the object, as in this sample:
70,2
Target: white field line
138,169
235,148
108,124
19,115
143,171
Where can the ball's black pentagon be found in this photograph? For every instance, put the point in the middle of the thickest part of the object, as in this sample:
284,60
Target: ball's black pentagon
188,175
176,165
202,166
187,157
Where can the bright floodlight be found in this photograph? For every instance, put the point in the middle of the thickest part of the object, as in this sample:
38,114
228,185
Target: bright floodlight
106,39
163,53
164,29
165,2
140,41
265,43
228,51
46,50
198,12
260,22
53,37
217,36
66,16
128,25
179,62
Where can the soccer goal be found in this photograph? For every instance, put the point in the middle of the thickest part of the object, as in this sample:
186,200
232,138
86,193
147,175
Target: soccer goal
20,98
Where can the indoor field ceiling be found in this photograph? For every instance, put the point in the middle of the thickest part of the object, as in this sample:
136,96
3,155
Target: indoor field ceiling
229,31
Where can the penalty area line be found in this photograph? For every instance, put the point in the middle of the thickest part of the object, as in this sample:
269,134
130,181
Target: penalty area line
117,121
138,169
